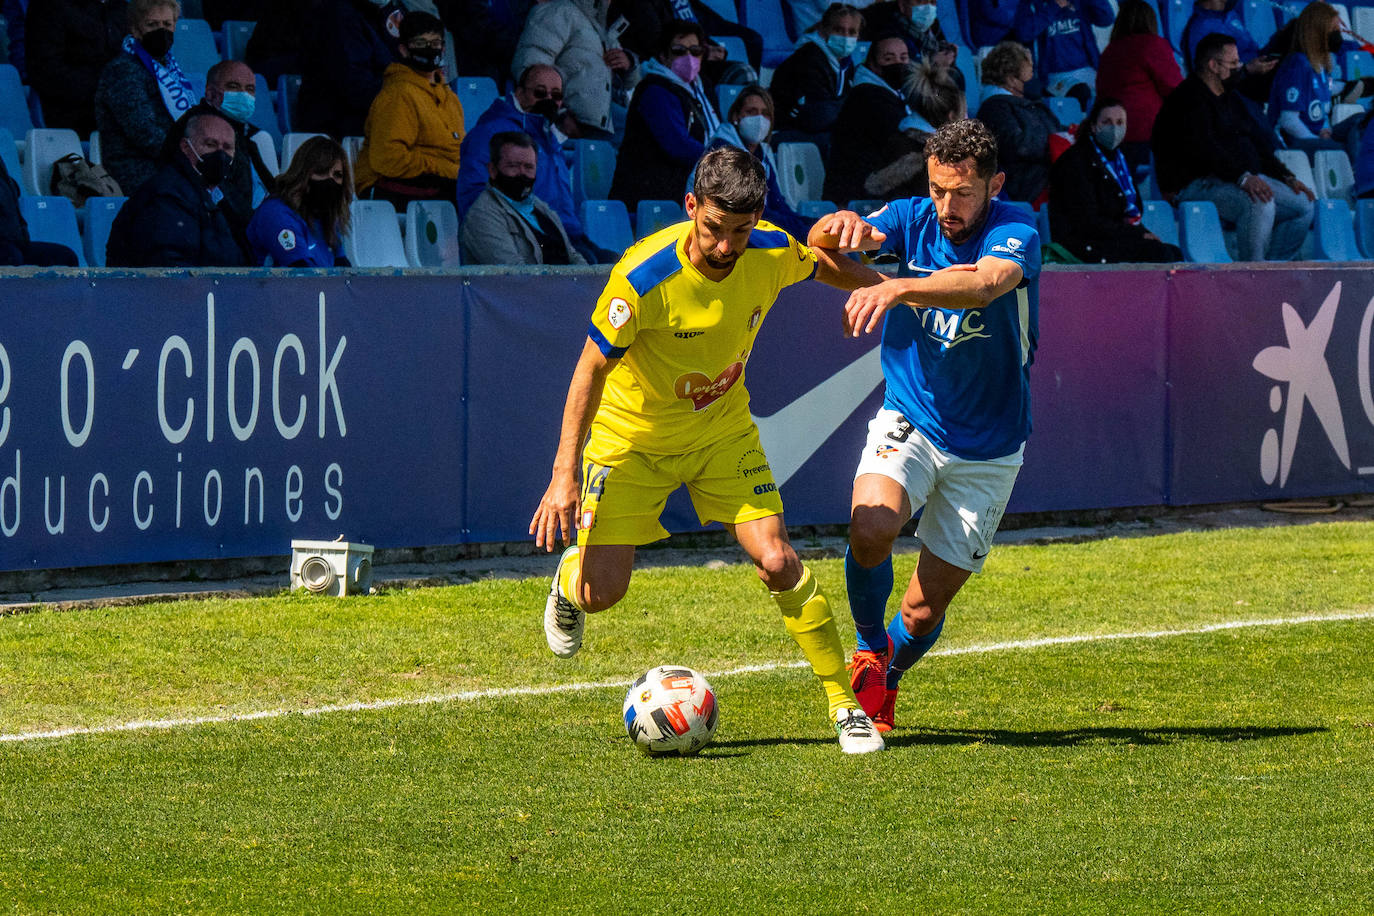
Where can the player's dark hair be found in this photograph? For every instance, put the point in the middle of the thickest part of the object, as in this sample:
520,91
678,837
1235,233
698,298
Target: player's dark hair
419,23
1210,48
676,29
967,139
505,138
732,179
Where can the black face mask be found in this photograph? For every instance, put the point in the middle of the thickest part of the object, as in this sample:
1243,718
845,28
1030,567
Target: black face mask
214,166
895,74
1334,42
424,59
545,108
1032,89
157,42
1233,81
322,195
516,187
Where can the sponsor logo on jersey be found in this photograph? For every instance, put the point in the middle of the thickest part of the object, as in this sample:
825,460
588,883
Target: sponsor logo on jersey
703,391
286,239
952,327
687,335
1316,111
885,451
1293,94
752,462
755,317
618,313
765,488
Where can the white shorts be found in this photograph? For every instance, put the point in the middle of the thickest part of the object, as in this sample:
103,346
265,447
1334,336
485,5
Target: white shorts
963,500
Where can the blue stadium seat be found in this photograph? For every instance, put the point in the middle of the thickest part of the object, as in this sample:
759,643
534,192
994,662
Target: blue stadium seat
236,34
375,237
767,18
1335,177
1066,109
100,216
1200,233
726,8
194,47
734,47
476,93
1176,13
1364,224
801,172
815,209
432,234
264,112
593,166
1159,218
966,63
53,219
43,147
653,215
607,224
726,93
15,115
9,154
1258,16
1335,232
288,89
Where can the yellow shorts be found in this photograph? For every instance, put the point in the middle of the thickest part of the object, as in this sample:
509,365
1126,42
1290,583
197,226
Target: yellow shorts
623,494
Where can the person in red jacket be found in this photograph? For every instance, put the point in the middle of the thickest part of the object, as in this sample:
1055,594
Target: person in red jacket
1139,69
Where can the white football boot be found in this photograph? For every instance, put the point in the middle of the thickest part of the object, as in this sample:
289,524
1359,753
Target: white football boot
858,734
563,620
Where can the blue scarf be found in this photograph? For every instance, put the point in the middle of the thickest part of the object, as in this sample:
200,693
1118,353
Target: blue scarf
176,90
1118,169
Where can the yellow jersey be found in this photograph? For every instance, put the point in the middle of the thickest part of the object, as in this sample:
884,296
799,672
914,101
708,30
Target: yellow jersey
684,340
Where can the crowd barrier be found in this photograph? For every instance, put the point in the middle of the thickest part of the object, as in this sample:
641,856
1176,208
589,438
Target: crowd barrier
153,416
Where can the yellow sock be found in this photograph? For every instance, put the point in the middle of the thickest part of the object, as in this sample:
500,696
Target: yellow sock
806,614
570,577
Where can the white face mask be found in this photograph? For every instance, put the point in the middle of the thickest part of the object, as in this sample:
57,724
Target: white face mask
842,45
1109,136
923,15
754,128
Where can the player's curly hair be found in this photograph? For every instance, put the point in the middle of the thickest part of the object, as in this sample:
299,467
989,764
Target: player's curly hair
967,139
732,179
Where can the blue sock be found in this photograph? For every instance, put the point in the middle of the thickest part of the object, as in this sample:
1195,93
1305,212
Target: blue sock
907,649
869,590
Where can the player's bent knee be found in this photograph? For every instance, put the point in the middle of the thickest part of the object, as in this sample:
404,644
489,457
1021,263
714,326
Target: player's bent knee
778,566
872,531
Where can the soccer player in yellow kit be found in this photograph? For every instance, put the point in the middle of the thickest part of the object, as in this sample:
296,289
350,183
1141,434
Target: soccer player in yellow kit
658,400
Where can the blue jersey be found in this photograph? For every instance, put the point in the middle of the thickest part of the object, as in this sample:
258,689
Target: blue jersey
1297,87
962,376
279,237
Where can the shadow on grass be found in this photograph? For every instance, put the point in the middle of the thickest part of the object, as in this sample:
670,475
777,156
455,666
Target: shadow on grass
1061,738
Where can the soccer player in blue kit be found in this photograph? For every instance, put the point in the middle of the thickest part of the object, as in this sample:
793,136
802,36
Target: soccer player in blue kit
959,327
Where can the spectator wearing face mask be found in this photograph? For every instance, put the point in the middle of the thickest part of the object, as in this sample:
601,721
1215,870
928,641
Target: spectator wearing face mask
141,94
1300,98
917,24
1022,126
935,100
669,120
303,224
1139,69
507,223
809,87
870,117
1061,32
747,125
414,131
532,107
1097,206
176,219
67,45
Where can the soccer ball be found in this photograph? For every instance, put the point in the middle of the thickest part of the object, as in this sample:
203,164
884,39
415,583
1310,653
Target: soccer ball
670,710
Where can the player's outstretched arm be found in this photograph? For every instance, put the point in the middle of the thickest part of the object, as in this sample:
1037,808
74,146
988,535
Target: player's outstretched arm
561,504
961,286
845,231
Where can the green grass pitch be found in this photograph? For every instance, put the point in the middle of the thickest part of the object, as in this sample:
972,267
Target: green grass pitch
1211,771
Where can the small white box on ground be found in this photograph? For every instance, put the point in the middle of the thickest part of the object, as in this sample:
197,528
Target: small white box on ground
331,567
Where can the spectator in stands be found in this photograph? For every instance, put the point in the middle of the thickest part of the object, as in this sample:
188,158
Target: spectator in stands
1212,16
1139,69
508,224
990,21
572,35
1208,147
669,120
1300,98
1021,125
67,45
344,58
414,130
915,21
935,100
1097,207
809,87
16,247
1061,32
532,107
647,19
871,113
175,218
747,125
141,93
304,222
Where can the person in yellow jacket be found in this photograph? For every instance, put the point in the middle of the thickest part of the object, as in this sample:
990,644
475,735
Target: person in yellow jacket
415,125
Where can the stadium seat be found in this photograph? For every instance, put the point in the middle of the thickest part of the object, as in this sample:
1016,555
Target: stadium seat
734,47
815,209
726,93
9,154
1066,110
1103,33
288,89
653,215
1335,178
352,147
1159,218
236,34
1364,225
476,93
194,48
100,216
1342,110
801,173
726,8
607,224
432,234
1200,233
1354,65
15,115
53,219
289,144
767,18
1176,13
1362,20
375,238
1335,231
267,148
44,147
264,111
1299,165
593,167
93,151
966,62
1258,16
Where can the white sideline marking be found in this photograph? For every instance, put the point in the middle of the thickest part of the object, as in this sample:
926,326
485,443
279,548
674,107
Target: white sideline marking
466,696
